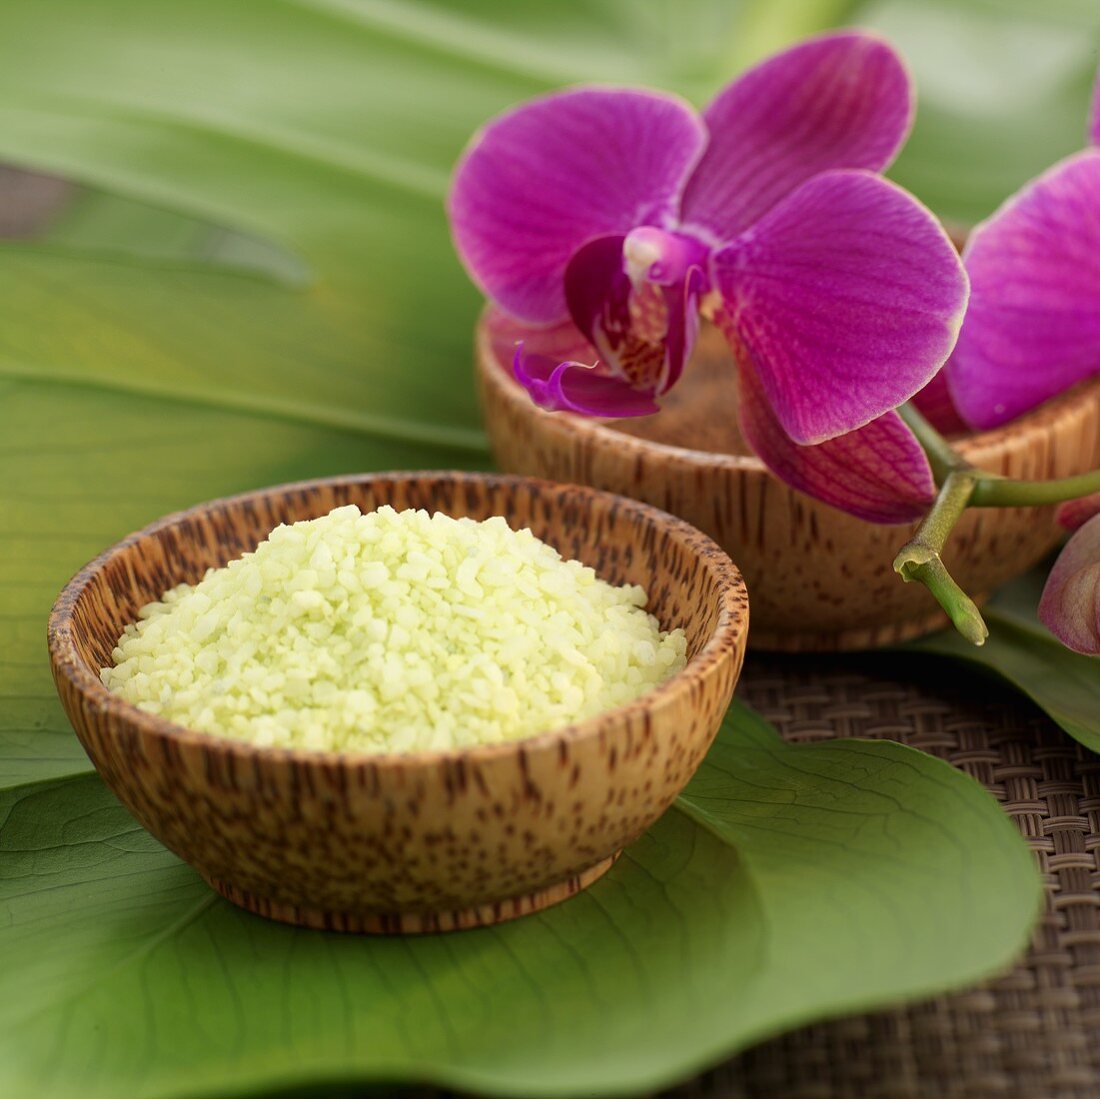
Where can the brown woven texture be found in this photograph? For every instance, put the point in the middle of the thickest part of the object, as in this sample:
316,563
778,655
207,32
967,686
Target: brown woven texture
1033,1033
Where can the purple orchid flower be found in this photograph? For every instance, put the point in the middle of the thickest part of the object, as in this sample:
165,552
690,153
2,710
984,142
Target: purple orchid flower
1033,326
605,221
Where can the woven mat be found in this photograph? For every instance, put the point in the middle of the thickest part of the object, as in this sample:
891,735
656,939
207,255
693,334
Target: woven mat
1033,1033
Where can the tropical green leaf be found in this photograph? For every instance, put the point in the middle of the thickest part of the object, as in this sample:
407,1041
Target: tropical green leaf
1022,651
101,222
788,882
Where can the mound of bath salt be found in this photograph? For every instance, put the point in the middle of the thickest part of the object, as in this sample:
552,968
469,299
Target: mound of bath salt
392,631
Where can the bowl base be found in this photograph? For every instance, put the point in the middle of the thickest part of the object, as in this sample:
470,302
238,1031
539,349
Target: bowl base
414,923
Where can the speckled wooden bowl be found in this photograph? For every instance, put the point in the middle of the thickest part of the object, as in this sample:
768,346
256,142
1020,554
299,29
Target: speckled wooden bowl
818,579
423,841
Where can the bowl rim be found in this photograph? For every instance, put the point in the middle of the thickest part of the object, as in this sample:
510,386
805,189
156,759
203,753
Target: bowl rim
726,640
981,446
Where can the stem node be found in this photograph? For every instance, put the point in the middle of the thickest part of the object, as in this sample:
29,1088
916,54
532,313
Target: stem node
919,559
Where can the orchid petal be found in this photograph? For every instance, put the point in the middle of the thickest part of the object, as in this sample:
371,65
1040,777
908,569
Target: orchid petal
644,332
839,101
878,473
574,387
1075,513
935,403
1070,606
1033,327
543,178
849,295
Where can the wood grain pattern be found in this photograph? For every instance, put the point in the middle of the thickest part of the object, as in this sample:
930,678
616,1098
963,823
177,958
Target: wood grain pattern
424,841
819,579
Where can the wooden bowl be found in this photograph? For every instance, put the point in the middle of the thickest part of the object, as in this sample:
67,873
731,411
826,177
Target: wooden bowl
422,841
819,579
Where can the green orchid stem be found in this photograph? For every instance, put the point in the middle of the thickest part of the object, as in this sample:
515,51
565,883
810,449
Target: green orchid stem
919,559
990,489
1001,492
963,486
942,456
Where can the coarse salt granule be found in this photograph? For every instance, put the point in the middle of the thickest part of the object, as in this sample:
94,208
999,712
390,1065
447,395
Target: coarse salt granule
392,632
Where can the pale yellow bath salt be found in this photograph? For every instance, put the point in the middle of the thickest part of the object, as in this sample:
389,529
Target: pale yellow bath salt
392,632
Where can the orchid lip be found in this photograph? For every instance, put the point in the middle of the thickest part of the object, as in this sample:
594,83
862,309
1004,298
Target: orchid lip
576,387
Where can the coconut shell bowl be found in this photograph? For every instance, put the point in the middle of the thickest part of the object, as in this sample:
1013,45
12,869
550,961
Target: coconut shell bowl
819,579
423,841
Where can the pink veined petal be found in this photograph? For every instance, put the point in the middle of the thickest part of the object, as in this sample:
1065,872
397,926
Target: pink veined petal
839,101
1033,326
1070,606
574,387
561,342
541,179
1075,513
849,295
644,331
878,473
935,404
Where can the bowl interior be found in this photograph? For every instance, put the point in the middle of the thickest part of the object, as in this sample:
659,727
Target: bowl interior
687,577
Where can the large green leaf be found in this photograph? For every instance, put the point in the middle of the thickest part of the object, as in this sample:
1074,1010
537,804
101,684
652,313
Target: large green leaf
1022,651
787,882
